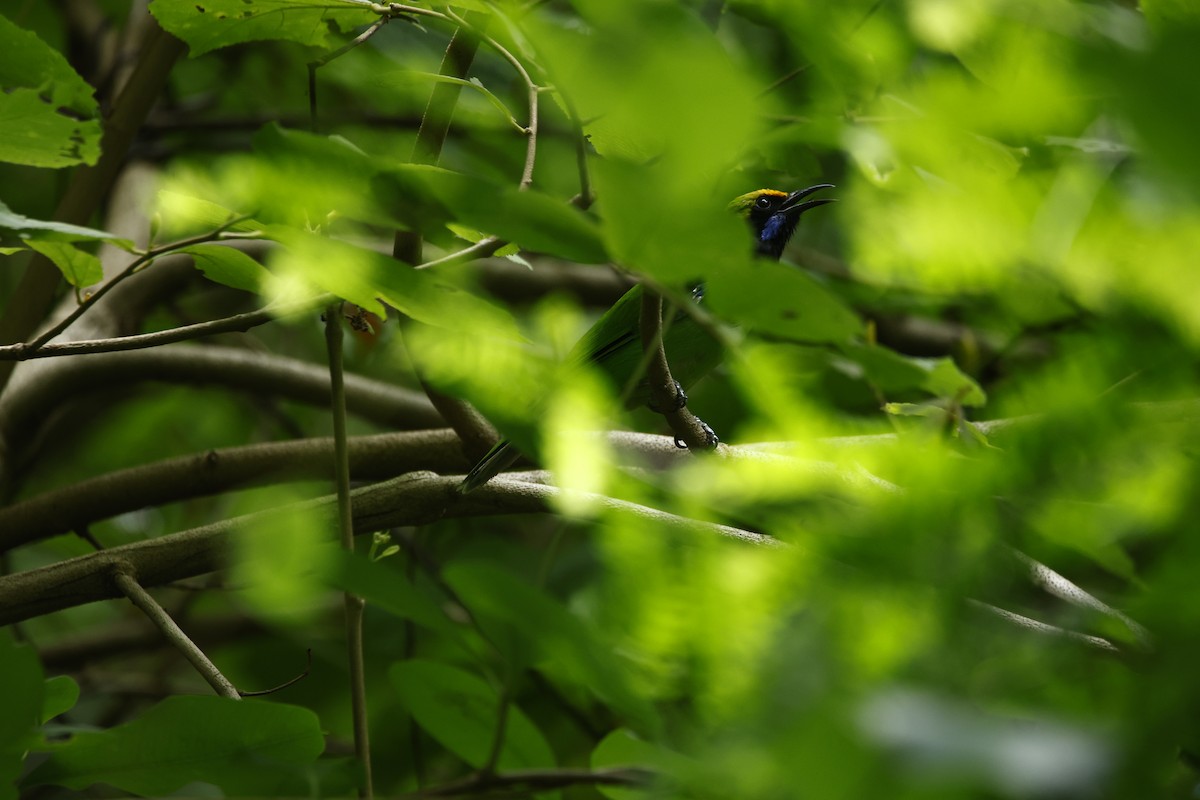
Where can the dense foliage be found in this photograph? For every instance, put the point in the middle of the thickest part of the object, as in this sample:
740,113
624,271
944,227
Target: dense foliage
945,550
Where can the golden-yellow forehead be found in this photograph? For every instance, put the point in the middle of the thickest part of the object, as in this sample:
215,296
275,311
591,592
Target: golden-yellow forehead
745,201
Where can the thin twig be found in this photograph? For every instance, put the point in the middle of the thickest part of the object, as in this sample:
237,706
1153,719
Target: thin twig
23,351
354,604
1063,589
316,64
287,683
123,577
133,267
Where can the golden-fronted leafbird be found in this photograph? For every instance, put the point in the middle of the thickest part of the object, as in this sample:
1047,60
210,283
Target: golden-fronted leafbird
613,344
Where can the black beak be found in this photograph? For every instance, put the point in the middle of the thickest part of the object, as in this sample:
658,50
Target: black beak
794,208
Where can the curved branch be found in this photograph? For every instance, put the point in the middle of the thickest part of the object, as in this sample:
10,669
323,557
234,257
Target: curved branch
21,411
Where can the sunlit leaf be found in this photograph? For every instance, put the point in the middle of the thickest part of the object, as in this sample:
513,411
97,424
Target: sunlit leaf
48,116
46,230
228,266
366,277
422,196
219,23
80,268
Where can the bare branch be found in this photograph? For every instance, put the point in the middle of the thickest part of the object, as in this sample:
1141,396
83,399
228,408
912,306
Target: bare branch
345,527
123,578
236,323
418,498
171,480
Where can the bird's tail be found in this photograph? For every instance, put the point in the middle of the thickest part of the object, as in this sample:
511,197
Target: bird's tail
497,459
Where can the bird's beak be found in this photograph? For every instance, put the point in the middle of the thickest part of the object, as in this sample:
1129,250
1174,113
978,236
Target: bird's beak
793,206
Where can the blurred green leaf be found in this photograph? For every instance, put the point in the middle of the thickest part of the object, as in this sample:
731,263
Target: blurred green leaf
219,23
48,116
78,267
623,748
228,266
366,277
461,711
893,372
776,299
243,746
423,196
61,694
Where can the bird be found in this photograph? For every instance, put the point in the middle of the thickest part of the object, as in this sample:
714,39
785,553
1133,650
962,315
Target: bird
613,343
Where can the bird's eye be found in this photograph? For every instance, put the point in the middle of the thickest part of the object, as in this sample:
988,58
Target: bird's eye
763,202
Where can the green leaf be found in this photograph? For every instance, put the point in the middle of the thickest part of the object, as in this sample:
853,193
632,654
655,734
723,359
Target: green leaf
211,24
422,196
183,214
60,695
894,372
21,688
623,748
46,230
79,268
8,251
389,589
48,116
365,277
772,298
228,266
243,746
508,605
460,711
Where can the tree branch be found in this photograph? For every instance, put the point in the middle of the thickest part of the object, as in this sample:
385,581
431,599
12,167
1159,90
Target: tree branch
418,498
239,323
664,391
345,526
123,578
22,411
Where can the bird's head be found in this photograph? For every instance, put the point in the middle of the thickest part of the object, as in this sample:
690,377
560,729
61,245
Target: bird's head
773,215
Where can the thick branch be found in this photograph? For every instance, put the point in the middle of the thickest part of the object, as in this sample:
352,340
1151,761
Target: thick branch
172,480
261,374
419,498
